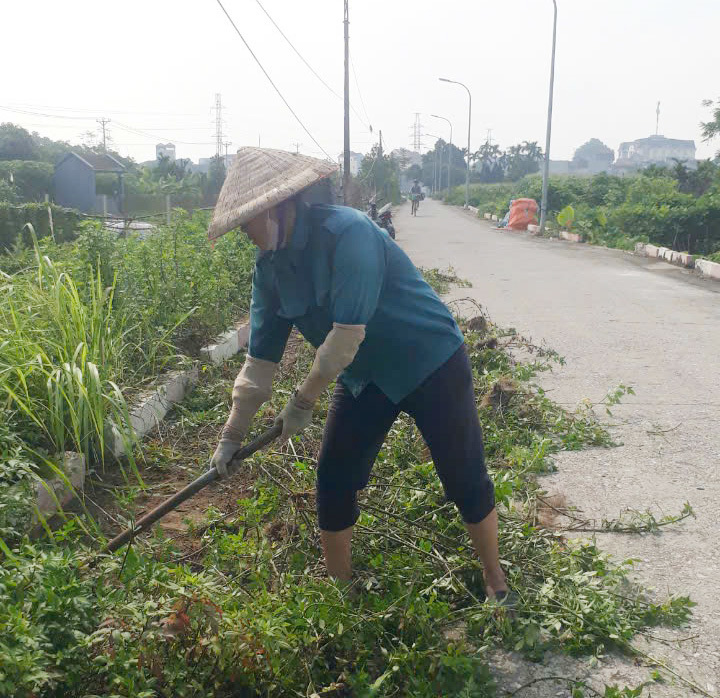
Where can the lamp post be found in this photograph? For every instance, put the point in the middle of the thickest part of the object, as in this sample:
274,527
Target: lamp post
435,116
546,164
437,176
467,174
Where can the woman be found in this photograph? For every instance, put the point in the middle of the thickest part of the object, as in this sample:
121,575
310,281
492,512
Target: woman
355,295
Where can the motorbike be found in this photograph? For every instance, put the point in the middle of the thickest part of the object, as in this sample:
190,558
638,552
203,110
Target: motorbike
383,216
385,220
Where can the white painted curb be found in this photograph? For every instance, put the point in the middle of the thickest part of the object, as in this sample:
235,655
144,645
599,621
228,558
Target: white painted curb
152,407
570,237
681,259
708,268
487,216
54,494
229,344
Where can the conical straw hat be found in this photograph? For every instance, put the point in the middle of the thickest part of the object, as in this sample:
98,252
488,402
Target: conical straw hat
259,179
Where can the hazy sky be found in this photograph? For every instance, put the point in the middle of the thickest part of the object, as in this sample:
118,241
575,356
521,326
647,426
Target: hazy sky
154,66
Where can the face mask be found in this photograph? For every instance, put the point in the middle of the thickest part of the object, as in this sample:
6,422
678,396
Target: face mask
265,233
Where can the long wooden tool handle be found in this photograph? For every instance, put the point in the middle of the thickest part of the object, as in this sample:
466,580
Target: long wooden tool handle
144,522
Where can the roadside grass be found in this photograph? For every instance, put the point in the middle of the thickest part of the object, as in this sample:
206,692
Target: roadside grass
84,325
236,602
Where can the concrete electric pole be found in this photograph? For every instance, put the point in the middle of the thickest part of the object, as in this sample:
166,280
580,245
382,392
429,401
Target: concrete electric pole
346,135
103,124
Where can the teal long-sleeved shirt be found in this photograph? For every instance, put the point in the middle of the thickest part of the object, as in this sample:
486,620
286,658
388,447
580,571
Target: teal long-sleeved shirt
341,267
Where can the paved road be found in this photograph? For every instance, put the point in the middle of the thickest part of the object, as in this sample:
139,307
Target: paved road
616,319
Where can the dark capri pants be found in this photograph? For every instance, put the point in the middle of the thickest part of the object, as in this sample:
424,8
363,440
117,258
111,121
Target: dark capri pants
443,408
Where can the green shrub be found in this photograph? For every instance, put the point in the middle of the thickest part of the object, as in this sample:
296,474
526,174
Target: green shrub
14,218
32,180
653,206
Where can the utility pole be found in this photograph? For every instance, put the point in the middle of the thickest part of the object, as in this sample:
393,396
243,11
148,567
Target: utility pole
657,119
346,142
226,144
218,126
103,123
380,151
546,163
297,147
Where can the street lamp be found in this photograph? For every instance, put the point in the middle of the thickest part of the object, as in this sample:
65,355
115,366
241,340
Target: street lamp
467,174
435,116
546,164
436,175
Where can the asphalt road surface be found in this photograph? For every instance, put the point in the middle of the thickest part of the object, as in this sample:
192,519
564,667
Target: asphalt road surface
617,319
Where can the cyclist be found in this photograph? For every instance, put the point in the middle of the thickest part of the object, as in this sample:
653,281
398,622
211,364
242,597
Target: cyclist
415,196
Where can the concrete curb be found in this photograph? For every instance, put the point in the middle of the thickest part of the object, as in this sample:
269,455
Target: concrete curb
52,495
708,268
681,259
228,344
487,216
570,237
152,407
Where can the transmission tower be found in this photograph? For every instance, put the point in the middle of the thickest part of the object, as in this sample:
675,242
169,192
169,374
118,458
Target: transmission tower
218,126
417,134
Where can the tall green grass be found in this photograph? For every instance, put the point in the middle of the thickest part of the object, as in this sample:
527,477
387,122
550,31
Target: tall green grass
63,352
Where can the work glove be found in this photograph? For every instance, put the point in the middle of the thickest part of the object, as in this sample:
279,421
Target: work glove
252,388
230,442
295,416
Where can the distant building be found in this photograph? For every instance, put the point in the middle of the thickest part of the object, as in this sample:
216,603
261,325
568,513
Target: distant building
75,183
654,150
165,150
355,162
560,167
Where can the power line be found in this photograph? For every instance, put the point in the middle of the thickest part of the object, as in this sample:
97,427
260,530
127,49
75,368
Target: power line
357,84
54,116
155,137
312,70
292,46
124,127
275,87
99,111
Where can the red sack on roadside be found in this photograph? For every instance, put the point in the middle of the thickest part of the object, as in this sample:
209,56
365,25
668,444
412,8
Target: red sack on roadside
522,213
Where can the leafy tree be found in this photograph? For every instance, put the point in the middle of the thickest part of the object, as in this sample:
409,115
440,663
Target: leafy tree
522,159
379,176
215,179
8,192
16,143
489,163
711,129
30,180
592,152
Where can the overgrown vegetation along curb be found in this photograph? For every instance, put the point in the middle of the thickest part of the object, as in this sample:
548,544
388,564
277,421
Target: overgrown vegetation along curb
677,208
237,603
86,326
